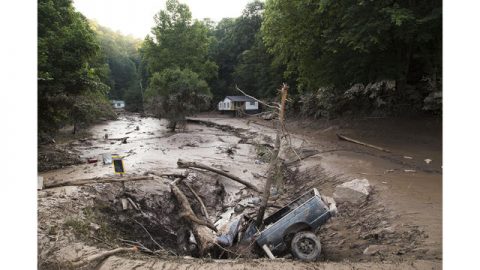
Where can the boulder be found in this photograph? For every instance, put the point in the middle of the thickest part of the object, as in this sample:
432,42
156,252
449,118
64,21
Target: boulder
355,191
374,249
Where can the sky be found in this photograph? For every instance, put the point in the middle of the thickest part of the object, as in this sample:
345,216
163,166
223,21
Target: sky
135,17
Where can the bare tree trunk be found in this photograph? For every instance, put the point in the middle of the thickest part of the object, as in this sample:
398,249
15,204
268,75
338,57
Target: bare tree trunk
80,182
190,164
101,256
274,160
201,230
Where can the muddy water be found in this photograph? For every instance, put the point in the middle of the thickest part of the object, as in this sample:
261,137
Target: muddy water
410,197
151,147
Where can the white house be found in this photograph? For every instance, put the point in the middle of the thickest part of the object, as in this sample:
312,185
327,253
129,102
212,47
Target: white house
118,104
235,103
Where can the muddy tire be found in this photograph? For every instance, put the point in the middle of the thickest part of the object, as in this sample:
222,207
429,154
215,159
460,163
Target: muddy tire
305,246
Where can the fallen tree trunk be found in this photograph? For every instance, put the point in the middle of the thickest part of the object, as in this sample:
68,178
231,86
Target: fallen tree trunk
341,137
202,205
80,182
118,139
201,229
101,256
190,164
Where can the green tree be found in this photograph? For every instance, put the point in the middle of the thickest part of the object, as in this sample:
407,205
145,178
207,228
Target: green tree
69,65
335,45
177,63
177,93
178,42
123,59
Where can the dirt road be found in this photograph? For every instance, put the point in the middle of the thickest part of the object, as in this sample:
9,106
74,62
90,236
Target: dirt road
406,200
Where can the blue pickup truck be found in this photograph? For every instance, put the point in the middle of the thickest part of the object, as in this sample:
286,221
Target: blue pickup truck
293,226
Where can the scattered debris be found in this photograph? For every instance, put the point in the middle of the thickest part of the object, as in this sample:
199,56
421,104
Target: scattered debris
92,160
123,139
107,159
428,161
355,191
409,171
374,249
407,157
94,226
362,143
269,116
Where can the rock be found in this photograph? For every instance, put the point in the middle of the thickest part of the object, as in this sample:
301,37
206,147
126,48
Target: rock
94,226
374,249
268,116
355,191
238,208
379,233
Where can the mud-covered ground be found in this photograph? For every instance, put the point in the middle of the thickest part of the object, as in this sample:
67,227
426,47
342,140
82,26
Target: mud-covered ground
400,223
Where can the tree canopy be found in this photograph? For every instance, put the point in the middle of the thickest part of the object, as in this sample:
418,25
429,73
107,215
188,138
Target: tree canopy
178,64
70,70
339,57
123,59
339,44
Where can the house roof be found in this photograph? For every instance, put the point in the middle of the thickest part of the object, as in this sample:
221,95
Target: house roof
240,98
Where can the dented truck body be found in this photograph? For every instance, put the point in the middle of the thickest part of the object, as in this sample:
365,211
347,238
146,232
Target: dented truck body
306,213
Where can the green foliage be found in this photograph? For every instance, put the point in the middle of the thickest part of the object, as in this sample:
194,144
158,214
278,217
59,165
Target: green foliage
176,59
178,42
69,66
123,60
176,93
242,57
336,44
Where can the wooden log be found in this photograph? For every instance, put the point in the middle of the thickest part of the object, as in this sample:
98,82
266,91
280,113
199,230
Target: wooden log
341,137
119,139
202,205
201,230
190,164
80,182
103,255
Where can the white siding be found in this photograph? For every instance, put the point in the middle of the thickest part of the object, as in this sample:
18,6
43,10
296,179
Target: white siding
225,105
251,105
228,104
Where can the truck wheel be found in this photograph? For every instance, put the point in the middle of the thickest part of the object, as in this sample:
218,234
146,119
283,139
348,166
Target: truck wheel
305,246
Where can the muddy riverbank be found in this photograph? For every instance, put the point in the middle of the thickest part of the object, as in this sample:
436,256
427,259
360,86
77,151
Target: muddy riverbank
77,221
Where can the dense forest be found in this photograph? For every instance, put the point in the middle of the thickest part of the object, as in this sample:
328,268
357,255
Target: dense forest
340,58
